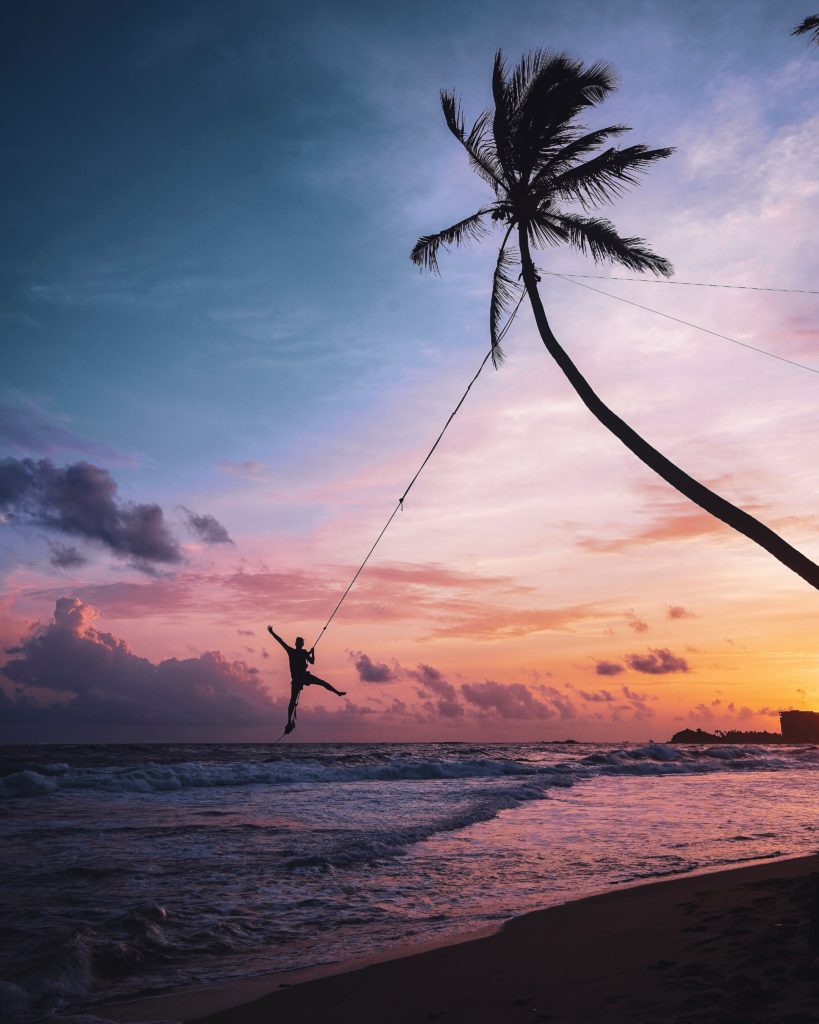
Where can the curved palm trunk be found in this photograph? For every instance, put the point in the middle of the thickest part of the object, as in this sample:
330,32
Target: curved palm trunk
685,484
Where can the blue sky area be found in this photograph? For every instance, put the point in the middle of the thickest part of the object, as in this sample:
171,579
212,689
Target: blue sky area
209,207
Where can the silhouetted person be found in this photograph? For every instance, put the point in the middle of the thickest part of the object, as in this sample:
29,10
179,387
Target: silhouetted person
300,674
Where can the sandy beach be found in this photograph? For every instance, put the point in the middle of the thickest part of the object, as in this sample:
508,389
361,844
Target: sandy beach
730,946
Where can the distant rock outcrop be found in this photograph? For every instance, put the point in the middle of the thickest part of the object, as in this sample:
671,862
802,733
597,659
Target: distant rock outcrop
731,736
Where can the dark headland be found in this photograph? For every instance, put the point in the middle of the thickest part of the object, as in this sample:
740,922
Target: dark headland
797,727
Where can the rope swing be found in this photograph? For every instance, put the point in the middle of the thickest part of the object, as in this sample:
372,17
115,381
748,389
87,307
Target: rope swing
400,505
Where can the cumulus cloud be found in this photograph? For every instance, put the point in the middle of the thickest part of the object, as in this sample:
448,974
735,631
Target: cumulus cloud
659,661
206,527
509,700
559,701
636,623
81,500
370,671
66,556
608,668
446,702
68,672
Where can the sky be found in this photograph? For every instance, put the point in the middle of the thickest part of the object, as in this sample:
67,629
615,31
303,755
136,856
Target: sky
219,370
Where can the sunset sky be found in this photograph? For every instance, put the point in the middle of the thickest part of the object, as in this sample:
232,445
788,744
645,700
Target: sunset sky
220,370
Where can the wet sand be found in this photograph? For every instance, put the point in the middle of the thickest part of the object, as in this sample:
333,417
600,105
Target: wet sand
731,947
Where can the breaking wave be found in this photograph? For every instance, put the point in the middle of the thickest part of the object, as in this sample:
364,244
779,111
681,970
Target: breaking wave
38,780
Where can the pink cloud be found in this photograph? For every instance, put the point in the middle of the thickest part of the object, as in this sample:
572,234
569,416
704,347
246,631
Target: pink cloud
636,623
662,530
130,600
499,623
433,575
676,611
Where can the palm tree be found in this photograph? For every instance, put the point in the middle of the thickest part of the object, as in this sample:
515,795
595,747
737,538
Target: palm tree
536,158
809,26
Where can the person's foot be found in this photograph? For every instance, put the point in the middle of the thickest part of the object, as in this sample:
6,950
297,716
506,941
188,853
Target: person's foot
289,728
342,693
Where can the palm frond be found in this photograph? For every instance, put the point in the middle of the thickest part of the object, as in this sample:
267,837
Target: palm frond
504,111
576,146
598,81
603,178
810,26
425,251
561,88
506,293
599,239
481,152
543,229
530,67
536,102
483,155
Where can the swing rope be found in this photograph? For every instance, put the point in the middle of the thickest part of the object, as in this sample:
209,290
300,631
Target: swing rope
399,507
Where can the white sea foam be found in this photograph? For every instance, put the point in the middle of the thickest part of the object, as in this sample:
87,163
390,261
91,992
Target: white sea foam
646,759
393,841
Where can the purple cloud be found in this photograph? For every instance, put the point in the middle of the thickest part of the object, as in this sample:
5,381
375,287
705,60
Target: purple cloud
66,556
639,702
371,671
97,680
81,500
659,661
600,697
207,528
608,668
432,681
509,700
560,702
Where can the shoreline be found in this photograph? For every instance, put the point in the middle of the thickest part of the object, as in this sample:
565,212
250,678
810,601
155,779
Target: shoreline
675,949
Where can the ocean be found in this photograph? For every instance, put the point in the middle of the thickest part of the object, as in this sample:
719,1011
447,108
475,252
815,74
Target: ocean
137,870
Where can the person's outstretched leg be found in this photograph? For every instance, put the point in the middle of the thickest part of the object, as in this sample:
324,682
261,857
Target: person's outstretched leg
326,685
291,710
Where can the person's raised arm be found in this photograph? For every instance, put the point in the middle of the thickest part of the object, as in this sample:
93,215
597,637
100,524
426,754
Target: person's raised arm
277,637
311,655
